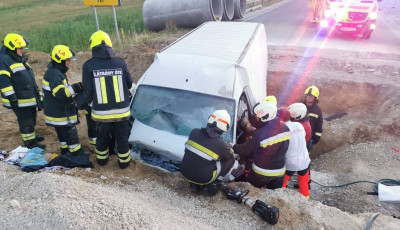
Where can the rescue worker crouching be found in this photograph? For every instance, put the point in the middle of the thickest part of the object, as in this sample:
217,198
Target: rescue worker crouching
59,110
106,80
311,99
208,159
19,90
297,157
268,147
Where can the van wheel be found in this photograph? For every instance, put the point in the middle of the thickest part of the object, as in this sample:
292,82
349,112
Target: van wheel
367,35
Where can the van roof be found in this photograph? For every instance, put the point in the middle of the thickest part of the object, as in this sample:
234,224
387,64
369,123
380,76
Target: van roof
226,41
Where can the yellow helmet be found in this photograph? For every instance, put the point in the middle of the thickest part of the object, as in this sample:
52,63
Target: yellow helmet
271,99
15,41
313,91
98,37
61,53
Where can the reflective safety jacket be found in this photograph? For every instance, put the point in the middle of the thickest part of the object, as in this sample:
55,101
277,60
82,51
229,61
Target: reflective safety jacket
58,94
106,82
206,158
17,81
268,147
316,120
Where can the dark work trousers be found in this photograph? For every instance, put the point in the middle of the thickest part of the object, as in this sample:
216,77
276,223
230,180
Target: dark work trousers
92,126
260,181
69,139
121,132
26,117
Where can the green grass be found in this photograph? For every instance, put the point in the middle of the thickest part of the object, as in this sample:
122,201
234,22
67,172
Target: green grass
46,23
75,32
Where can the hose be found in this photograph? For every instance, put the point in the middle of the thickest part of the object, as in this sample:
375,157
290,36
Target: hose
389,182
371,220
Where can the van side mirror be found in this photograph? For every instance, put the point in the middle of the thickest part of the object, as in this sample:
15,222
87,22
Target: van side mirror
133,88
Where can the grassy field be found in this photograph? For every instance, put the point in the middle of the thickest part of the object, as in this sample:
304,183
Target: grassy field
46,23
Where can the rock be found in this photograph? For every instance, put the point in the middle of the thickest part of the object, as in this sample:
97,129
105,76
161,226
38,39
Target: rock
103,177
15,204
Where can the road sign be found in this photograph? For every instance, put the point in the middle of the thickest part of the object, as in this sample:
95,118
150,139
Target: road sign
102,2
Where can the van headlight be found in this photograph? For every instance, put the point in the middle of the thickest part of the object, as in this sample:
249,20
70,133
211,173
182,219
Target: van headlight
373,15
341,15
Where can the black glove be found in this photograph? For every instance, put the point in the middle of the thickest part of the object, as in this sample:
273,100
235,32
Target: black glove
14,104
77,87
237,172
315,139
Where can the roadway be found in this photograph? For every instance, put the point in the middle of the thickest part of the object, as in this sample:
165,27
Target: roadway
287,24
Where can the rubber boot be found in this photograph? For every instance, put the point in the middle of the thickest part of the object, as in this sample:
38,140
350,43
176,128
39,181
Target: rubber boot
303,185
124,165
286,181
102,162
34,144
195,187
211,189
39,137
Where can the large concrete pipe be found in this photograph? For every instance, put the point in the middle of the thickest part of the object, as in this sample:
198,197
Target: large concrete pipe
240,9
229,9
185,13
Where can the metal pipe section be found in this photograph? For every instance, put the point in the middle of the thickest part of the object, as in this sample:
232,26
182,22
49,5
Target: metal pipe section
240,9
229,10
184,13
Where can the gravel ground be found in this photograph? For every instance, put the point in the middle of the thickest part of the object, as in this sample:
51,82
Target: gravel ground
357,146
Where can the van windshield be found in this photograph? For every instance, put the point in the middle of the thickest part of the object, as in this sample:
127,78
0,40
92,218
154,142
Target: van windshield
178,111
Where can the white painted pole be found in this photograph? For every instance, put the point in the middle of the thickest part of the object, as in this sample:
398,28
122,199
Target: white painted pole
95,17
116,25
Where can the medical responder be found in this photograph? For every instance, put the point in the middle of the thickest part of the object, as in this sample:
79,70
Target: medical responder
19,90
268,146
297,158
311,98
106,81
298,113
59,110
208,159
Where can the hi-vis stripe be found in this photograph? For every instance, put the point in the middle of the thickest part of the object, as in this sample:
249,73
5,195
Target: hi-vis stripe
26,102
268,172
6,102
318,134
17,67
46,85
275,139
111,114
28,136
7,91
5,72
313,115
101,89
201,150
60,121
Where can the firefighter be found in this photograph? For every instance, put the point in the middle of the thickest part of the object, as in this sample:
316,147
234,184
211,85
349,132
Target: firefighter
59,110
297,158
311,99
19,90
298,113
208,159
106,80
268,147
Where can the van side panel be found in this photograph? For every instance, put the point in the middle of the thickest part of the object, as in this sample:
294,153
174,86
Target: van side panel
255,62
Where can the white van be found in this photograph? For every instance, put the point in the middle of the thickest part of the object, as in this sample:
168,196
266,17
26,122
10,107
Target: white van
218,65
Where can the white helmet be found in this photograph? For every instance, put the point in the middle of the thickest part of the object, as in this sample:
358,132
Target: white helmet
297,111
221,118
265,110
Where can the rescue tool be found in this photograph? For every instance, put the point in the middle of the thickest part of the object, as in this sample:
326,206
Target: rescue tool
266,212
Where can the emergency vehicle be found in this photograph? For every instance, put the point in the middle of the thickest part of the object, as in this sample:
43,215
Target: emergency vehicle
349,16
